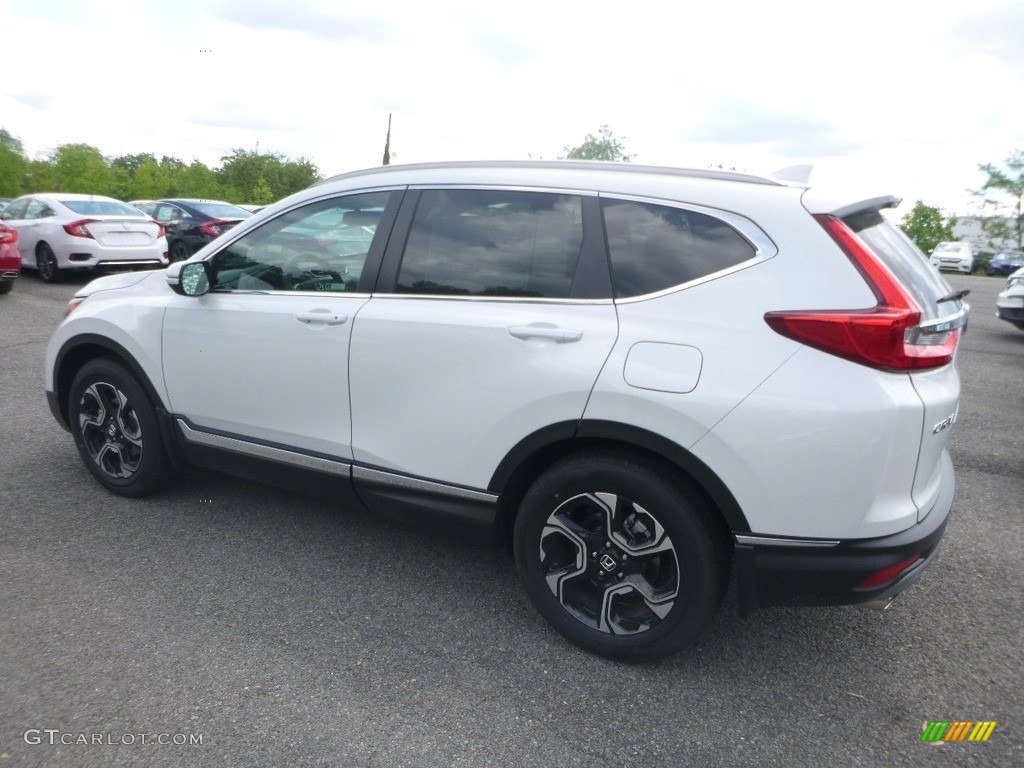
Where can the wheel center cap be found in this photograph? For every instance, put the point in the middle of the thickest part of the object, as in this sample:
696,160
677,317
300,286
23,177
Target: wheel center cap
112,430
608,563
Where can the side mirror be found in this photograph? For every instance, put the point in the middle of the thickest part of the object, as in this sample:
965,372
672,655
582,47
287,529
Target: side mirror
190,278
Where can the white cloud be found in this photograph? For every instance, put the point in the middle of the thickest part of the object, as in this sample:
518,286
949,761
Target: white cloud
906,97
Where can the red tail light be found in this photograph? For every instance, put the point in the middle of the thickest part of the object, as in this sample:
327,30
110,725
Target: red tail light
886,575
214,228
161,230
8,235
886,336
78,228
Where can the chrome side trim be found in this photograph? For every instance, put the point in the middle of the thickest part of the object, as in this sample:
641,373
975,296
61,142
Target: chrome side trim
770,541
416,484
268,452
126,262
949,322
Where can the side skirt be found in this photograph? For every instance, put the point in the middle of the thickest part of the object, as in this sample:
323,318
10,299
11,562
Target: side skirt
422,502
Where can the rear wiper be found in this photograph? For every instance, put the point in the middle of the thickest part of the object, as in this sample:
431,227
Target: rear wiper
954,296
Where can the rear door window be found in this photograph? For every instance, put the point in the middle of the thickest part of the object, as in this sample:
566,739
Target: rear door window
654,247
481,242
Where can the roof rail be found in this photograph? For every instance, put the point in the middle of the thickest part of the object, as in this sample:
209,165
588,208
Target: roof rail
699,173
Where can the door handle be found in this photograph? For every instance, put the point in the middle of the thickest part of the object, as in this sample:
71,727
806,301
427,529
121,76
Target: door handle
324,316
559,335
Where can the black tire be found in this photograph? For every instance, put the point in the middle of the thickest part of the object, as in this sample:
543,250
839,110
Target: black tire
46,264
6,286
179,251
639,594
115,428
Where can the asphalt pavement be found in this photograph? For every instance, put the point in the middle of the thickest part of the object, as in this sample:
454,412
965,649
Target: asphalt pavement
224,623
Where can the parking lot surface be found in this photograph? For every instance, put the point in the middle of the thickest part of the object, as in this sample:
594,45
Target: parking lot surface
286,631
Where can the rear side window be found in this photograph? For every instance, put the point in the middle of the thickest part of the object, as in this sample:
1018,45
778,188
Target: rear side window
919,278
474,242
654,247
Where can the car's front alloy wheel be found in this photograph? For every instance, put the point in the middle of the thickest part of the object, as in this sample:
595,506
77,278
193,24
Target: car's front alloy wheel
115,429
619,556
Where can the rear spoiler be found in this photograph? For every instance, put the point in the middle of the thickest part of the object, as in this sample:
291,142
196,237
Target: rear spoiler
816,201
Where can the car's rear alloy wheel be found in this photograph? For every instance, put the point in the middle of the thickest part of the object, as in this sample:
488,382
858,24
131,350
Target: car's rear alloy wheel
180,250
115,429
46,263
619,556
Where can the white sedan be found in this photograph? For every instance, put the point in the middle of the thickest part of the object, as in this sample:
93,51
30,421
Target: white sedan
61,231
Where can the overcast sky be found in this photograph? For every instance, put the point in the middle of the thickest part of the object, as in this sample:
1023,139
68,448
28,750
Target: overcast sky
895,96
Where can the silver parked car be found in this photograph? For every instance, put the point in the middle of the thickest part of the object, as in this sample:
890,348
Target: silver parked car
61,231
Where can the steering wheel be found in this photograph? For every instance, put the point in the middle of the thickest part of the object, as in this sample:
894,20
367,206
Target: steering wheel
307,267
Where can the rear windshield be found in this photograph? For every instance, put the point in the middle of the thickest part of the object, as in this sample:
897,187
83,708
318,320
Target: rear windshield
911,267
221,210
100,208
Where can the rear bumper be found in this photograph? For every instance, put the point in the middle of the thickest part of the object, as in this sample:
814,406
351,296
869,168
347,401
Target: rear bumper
792,572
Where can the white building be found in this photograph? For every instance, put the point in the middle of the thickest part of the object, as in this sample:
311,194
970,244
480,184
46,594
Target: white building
969,229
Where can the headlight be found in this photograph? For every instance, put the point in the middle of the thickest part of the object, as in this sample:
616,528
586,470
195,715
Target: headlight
74,304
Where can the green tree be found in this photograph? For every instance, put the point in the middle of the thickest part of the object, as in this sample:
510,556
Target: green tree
119,184
604,146
150,181
241,172
131,163
198,180
261,194
1002,196
80,168
40,176
926,226
13,165
173,171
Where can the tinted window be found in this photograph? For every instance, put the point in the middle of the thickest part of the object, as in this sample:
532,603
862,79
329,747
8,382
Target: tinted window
492,243
37,209
319,247
100,208
16,210
903,258
654,247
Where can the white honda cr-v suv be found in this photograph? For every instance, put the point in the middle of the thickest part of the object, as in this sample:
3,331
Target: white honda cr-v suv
649,380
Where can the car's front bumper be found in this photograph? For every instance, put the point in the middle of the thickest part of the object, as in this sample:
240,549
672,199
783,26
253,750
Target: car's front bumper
1010,306
793,572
